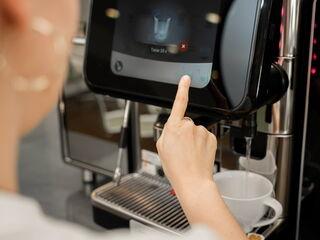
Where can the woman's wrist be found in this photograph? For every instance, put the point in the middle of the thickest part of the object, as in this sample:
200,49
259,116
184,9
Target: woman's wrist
203,205
190,191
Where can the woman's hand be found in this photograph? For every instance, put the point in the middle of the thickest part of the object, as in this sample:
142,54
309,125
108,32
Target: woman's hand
187,151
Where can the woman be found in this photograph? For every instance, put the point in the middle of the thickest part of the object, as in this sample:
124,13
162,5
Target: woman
35,41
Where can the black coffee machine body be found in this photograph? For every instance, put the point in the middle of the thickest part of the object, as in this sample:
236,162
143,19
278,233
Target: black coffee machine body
138,50
244,56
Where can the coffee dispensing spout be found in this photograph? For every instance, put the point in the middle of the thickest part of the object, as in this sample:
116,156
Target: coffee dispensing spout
249,126
249,129
271,92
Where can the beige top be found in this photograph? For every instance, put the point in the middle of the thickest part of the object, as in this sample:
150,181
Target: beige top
22,218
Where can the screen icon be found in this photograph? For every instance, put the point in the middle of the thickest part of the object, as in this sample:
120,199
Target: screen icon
161,28
184,47
118,66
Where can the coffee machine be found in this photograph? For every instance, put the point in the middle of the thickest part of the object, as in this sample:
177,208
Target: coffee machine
247,57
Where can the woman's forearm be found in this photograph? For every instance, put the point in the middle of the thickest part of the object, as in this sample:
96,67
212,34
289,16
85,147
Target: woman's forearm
203,205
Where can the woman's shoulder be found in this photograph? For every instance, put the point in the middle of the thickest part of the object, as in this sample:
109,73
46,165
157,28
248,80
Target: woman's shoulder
11,203
23,216
17,212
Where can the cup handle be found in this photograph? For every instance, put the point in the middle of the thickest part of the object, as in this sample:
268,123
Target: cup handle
276,206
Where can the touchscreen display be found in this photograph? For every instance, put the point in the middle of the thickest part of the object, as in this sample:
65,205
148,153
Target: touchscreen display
161,40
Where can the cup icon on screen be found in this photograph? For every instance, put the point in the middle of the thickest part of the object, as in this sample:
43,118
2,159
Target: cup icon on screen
118,66
161,28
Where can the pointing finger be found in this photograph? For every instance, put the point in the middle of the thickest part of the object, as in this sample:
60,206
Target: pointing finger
181,101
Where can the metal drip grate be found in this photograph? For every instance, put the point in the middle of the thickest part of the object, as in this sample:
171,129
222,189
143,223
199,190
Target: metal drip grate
145,198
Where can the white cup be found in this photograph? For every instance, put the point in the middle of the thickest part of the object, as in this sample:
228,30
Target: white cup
248,197
266,167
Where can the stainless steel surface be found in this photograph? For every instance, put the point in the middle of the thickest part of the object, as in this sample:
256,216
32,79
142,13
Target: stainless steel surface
136,138
290,23
276,225
283,154
87,176
282,111
146,199
281,126
118,172
80,147
126,114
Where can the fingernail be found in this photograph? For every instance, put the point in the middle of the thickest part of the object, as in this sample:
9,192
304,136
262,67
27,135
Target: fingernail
186,79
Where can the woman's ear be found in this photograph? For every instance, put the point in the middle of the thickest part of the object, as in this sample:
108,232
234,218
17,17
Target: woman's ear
15,13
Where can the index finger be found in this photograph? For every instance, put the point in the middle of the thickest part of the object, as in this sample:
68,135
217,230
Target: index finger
181,101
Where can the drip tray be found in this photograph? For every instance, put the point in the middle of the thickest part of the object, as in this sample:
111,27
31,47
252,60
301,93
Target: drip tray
144,198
